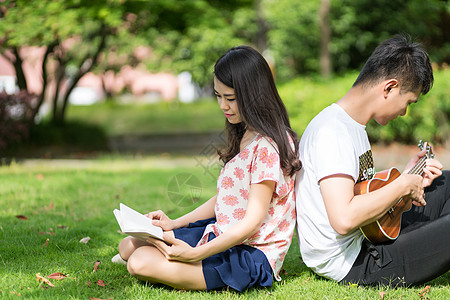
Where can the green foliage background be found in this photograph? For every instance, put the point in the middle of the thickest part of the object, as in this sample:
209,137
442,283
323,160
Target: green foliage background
191,35
428,119
357,27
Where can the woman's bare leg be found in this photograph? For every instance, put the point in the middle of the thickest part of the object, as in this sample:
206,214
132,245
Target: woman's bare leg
128,245
147,263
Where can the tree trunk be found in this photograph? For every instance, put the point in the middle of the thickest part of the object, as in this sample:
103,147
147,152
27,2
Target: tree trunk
41,97
59,80
261,35
20,75
86,66
325,38
107,91
14,58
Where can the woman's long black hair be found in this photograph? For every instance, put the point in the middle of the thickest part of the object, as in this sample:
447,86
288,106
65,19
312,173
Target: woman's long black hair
246,71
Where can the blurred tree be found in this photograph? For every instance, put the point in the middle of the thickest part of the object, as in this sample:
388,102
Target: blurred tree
325,38
359,25
298,31
293,36
74,33
82,36
191,35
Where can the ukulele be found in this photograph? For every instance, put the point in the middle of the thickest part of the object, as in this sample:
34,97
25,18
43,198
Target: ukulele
387,227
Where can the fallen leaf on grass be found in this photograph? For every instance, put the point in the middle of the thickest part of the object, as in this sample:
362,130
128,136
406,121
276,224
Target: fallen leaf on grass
40,176
14,293
39,277
45,244
382,295
101,283
57,276
46,232
97,263
85,240
88,283
424,291
21,217
51,206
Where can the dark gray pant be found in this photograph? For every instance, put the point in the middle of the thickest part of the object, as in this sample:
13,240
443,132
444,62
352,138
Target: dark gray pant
419,254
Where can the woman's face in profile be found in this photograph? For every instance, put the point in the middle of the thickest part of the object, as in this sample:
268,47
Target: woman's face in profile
227,101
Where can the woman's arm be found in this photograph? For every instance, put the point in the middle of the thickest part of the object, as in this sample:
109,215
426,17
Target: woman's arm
258,205
204,211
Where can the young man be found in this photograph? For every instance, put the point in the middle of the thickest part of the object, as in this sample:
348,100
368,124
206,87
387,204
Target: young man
335,153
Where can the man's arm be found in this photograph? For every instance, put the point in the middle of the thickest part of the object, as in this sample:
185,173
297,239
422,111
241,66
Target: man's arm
347,212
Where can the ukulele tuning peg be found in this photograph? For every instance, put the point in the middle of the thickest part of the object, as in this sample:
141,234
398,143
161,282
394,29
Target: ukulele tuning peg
420,145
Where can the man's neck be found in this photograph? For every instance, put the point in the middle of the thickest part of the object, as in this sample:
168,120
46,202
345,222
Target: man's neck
358,104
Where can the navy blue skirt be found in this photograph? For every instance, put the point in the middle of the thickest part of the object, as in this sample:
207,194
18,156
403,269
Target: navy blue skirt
239,267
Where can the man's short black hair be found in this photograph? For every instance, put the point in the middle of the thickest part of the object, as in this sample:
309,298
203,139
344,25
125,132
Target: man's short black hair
398,58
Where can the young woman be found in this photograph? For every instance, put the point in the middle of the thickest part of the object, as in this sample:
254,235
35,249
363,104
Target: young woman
239,237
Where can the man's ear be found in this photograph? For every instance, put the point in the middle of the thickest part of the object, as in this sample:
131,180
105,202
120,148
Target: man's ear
388,86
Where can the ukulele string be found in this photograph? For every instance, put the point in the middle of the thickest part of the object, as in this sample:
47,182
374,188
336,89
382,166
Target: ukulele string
418,168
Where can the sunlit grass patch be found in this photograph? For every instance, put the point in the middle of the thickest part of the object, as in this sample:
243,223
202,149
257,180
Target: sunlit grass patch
65,201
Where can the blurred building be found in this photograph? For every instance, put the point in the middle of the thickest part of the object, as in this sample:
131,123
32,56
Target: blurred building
129,84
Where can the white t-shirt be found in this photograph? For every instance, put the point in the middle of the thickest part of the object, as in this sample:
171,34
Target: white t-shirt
333,143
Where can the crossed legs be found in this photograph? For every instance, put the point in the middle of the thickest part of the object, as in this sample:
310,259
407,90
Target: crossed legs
147,263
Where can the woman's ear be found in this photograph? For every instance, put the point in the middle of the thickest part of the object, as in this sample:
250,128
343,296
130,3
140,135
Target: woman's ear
389,85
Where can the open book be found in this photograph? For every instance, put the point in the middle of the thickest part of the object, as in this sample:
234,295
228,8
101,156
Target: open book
136,224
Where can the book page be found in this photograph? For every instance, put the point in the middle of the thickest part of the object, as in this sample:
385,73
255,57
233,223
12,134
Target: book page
136,224
118,216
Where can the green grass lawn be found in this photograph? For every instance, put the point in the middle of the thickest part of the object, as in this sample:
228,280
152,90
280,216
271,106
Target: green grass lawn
65,201
156,118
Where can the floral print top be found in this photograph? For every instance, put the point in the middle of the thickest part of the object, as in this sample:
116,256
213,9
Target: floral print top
257,162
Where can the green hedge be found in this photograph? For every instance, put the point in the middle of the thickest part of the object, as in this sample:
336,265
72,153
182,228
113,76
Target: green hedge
428,119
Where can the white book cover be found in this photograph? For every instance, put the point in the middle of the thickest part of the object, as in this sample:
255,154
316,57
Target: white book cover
136,224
